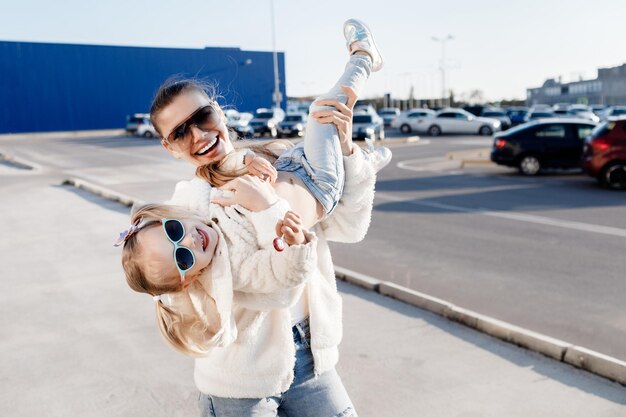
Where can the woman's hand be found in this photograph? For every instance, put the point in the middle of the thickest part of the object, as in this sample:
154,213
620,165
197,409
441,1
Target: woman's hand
290,228
341,118
248,191
260,167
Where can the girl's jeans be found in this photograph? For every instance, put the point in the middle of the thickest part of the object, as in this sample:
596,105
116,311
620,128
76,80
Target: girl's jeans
318,160
308,396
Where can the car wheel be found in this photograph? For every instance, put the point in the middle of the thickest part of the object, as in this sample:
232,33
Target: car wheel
148,134
485,131
614,176
434,130
405,128
529,165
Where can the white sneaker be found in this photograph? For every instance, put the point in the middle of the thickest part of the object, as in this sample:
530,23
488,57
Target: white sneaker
359,38
379,157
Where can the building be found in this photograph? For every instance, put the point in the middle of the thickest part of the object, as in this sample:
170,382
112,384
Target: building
609,88
63,87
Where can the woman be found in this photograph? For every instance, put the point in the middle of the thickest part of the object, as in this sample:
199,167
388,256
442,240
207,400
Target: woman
283,359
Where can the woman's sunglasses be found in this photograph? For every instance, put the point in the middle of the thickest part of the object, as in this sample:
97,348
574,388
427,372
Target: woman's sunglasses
205,118
175,232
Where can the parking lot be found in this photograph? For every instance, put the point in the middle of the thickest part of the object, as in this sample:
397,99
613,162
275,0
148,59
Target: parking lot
544,252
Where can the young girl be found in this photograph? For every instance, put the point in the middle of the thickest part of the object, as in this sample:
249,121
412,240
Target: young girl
310,175
195,269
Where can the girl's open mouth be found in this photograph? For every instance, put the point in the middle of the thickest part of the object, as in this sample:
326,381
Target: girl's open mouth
205,238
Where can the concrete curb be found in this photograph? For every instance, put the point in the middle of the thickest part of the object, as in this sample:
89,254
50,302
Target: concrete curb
103,192
70,134
472,156
580,357
19,163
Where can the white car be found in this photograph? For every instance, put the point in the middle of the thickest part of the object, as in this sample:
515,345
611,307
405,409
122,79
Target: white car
458,121
409,120
389,114
139,124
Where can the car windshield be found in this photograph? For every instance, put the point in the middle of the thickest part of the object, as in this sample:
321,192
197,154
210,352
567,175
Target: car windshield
266,115
387,112
293,118
618,112
538,114
361,118
135,119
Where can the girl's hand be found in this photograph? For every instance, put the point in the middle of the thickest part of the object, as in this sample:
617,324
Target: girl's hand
260,167
248,191
341,118
290,228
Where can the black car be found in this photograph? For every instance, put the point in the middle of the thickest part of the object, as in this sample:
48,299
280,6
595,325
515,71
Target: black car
294,124
551,143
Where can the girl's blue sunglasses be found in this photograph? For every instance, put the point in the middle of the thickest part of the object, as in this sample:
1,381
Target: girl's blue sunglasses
175,232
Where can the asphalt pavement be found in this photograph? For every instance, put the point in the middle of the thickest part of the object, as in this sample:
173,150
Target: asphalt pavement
79,342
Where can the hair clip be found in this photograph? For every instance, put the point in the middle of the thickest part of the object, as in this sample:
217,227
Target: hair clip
126,234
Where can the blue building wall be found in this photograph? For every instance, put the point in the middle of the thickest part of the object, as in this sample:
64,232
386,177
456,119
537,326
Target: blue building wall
58,87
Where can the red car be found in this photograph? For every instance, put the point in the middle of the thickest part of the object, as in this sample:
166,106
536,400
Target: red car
604,155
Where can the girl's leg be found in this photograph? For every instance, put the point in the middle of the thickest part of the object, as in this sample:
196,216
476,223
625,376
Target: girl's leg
323,157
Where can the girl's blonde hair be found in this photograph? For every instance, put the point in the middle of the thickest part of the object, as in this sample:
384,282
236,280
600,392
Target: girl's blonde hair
183,331
212,173
215,175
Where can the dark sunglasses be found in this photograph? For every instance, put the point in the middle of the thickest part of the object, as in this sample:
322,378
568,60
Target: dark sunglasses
175,232
205,118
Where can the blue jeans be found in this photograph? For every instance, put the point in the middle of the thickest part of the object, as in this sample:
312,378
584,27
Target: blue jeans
308,396
318,160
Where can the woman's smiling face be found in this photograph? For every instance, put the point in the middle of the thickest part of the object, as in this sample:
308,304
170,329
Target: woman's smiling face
158,250
198,146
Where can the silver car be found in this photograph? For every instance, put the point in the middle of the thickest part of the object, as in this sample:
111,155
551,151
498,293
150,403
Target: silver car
459,121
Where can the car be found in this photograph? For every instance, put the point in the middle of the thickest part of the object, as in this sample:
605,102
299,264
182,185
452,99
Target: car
265,122
604,154
613,111
583,113
362,107
517,115
389,115
293,125
139,124
498,114
367,127
409,120
598,109
453,120
540,113
239,122
543,143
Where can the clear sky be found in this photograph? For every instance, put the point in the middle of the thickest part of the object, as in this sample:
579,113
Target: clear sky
499,47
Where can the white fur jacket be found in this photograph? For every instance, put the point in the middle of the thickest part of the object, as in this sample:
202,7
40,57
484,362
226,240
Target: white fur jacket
252,353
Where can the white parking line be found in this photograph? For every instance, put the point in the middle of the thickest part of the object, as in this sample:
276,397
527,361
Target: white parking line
521,217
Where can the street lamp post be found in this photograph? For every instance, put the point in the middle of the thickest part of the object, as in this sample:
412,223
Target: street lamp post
442,66
276,96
